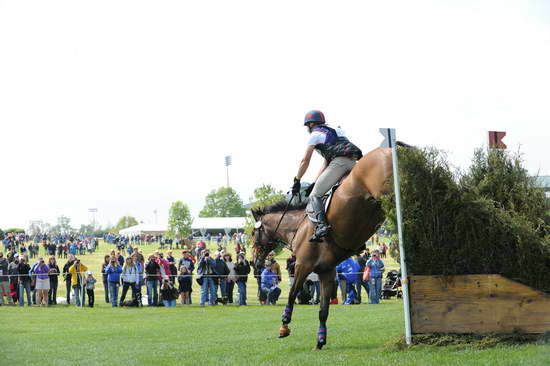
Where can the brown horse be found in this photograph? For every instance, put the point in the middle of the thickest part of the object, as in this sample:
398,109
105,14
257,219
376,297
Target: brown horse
355,214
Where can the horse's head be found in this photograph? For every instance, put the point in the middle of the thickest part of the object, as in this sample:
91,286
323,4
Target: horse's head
263,235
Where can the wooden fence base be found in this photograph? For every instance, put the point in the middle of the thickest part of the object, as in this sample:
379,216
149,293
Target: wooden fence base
477,304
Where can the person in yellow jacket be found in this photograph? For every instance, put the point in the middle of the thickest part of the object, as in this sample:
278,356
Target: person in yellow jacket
78,272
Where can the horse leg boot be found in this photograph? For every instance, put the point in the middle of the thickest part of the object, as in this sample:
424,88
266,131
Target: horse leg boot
300,276
327,284
316,213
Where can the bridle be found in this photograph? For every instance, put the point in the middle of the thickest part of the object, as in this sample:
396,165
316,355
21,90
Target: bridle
273,243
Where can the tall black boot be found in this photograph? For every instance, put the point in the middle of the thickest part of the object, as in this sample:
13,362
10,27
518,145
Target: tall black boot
316,213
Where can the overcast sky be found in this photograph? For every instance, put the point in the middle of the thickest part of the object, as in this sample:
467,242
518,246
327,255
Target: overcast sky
127,106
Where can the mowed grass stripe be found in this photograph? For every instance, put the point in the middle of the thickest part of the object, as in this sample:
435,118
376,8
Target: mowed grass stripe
220,335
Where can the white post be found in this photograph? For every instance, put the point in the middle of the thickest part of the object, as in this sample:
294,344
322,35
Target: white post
391,143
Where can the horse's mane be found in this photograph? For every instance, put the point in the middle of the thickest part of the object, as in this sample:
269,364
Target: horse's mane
279,207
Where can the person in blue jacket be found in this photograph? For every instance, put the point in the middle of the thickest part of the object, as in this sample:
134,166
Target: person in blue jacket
350,270
207,271
375,281
113,271
269,282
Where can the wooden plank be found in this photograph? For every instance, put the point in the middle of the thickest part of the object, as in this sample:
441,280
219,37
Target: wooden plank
477,304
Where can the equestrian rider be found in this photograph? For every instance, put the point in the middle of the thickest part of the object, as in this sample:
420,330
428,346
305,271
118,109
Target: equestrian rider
340,156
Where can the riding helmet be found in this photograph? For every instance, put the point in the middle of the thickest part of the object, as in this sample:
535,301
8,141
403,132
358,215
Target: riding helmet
315,117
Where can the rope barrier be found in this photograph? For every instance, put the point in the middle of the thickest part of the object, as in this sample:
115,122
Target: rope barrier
160,275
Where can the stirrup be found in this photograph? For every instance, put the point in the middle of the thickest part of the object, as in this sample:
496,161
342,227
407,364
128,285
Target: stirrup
321,230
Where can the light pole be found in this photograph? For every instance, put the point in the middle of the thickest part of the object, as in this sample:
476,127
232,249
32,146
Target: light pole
93,211
228,162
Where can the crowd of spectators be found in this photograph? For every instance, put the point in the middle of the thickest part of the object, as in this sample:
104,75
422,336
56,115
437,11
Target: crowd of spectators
162,279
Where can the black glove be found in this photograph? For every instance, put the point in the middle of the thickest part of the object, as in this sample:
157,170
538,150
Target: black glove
309,189
296,186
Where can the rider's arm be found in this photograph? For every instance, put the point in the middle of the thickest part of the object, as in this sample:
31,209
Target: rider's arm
304,164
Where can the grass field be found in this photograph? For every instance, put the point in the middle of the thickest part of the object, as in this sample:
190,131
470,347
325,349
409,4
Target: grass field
226,335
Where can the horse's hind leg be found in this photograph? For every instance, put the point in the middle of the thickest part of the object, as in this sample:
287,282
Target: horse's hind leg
327,284
300,275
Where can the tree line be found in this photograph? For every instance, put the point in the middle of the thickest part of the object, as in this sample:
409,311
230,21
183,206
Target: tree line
222,202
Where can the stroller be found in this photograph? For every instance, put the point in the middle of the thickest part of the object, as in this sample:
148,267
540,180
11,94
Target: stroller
392,285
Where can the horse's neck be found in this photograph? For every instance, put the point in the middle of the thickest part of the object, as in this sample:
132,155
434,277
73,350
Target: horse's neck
289,224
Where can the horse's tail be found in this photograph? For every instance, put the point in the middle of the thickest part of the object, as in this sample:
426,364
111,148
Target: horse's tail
406,146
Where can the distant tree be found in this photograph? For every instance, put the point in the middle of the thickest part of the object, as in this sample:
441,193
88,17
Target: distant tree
87,230
224,202
124,222
263,196
179,220
15,230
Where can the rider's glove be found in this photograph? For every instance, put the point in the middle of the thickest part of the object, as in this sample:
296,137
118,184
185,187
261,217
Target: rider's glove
296,186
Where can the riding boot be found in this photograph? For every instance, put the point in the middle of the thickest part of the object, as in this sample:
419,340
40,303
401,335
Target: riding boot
316,213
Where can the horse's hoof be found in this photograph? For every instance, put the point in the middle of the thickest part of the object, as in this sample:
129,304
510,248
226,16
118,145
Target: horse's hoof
284,332
319,346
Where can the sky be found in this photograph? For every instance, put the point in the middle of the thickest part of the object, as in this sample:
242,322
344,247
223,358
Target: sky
128,106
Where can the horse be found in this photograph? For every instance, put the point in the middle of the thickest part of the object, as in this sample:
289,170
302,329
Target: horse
355,214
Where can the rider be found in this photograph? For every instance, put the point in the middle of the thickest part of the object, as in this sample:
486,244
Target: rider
340,156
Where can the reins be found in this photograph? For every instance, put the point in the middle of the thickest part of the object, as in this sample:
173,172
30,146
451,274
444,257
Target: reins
284,213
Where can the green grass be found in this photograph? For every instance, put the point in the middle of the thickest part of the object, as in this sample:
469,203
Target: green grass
227,335
230,335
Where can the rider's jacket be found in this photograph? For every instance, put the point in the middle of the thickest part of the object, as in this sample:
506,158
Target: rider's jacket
334,145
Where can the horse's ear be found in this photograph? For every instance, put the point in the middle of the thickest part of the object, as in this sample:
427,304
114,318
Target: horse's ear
256,215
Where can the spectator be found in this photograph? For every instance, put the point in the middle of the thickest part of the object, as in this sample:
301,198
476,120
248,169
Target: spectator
242,269
269,284
231,277
4,280
275,267
349,270
14,279
168,294
54,280
362,261
104,265
316,293
42,285
220,280
169,257
23,270
139,257
129,279
187,260
141,280
173,272
152,270
77,271
206,270
290,266
375,282
164,267
67,276
120,258
113,271
258,269
185,282
90,286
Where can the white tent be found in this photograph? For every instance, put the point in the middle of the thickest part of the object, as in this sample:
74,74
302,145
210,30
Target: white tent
146,229
216,225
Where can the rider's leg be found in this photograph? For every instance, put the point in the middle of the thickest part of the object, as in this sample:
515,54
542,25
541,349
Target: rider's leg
337,168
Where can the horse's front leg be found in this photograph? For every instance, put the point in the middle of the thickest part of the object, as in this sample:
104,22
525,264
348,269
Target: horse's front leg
327,284
300,275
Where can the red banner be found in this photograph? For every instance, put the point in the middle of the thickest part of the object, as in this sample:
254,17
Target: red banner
495,140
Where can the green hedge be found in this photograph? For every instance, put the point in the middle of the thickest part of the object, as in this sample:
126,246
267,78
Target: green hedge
489,219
